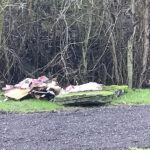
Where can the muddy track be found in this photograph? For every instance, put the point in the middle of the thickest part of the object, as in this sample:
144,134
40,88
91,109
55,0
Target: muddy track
88,129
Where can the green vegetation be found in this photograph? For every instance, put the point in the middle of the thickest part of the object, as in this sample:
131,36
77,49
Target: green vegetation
139,149
130,97
138,96
104,96
114,88
104,93
29,105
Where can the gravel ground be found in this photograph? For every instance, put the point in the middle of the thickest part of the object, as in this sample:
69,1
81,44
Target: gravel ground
87,129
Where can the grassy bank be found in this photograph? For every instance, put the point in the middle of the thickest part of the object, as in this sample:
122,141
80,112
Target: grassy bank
138,96
139,149
29,105
130,97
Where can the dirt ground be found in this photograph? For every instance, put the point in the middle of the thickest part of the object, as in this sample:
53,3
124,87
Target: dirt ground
105,128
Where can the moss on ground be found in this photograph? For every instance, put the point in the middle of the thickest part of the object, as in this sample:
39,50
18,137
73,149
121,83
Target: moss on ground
103,93
115,88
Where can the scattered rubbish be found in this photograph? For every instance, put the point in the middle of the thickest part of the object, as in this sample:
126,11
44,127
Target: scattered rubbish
8,87
43,92
41,88
91,86
119,93
4,100
16,93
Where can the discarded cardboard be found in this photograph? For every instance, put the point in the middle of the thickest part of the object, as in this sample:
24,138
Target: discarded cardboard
41,88
16,93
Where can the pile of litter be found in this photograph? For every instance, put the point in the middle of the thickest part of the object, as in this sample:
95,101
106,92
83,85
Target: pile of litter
41,88
91,86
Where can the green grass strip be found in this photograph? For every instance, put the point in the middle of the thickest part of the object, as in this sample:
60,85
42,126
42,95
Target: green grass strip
139,149
28,105
138,96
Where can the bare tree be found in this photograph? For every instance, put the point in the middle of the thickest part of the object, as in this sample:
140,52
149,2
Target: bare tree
78,41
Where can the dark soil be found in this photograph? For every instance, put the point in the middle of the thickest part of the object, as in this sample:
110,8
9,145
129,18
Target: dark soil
86,129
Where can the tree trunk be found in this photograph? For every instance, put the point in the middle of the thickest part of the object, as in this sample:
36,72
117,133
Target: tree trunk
3,48
146,45
130,62
130,49
115,61
86,41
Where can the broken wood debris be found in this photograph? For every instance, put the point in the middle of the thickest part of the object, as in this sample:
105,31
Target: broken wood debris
41,88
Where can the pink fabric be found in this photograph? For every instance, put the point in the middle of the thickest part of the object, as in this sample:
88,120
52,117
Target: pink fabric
42,79
27,83
8,87
69,88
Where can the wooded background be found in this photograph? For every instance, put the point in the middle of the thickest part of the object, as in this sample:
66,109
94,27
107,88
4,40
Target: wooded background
77,41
